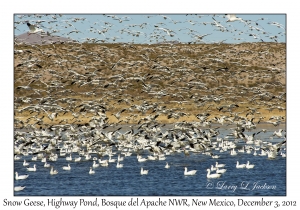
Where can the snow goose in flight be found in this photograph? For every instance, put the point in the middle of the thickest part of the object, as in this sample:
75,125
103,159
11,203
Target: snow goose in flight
232,18
278,134
33,29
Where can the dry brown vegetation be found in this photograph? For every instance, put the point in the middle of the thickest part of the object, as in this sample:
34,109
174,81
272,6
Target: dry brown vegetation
179,81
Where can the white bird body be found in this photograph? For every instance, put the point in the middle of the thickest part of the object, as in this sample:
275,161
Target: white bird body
278,134
232,18
272,154
167,165
53,172
111,160
221,171
67,168
77,159
189,173
25,163
105,163
95,165
248,165
16,157
21,176
32,169
46,165
219,165
240,165
140,159
120,158
91,171
69,158
144,172
233,152
209,175
33,29
102,161
119,165
19,188
161,157
150,157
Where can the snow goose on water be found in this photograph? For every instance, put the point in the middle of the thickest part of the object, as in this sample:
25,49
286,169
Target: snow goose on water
221,171
105,163
119,165
91,171
95,165
144,172
67,168
111,160
46,165
248,165
21,176
189,173
167,165
77,159
140,159
69,158
209,175
102,161
19,188
25,163
32,169
233,152
120,158
16,157
219,165
240,165
53,172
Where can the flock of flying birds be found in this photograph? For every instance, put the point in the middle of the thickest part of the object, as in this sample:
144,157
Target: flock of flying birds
114,28
50,107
